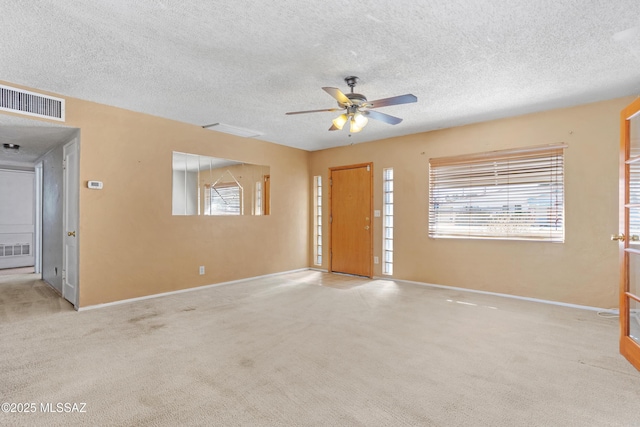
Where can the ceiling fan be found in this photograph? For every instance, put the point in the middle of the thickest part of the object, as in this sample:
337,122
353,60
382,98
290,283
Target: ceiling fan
357,110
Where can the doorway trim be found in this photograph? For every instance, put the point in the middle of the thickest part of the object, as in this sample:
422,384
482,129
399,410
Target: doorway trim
37,251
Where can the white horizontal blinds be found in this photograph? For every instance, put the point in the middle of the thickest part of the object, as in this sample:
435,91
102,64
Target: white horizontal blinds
207,200
510,194
224,199
634,200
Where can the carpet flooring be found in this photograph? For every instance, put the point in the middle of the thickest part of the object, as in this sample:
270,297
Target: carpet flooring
17,270
310,349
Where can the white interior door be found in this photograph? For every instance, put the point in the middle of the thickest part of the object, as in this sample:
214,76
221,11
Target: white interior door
70,222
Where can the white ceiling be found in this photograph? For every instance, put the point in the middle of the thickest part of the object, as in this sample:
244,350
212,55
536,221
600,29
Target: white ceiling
34,138
246,63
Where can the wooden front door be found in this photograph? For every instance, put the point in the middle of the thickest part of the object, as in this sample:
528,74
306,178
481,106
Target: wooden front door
629,236
351,227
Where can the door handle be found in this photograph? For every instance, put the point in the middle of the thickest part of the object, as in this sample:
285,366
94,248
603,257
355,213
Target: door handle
71,233
618,237
366,227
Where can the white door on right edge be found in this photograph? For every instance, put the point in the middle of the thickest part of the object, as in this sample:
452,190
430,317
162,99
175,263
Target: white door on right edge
70,223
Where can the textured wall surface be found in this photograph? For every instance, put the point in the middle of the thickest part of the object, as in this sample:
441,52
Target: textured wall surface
131,245
583,270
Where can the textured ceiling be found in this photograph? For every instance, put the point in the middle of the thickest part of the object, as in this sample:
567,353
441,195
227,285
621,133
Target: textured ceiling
246,63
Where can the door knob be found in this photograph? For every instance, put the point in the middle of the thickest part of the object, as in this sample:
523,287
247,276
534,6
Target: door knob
619,237
366,227
71,233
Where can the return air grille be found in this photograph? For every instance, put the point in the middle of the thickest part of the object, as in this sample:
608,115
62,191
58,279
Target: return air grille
31,103
19,249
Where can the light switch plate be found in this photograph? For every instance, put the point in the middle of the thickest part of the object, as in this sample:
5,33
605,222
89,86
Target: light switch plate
376,213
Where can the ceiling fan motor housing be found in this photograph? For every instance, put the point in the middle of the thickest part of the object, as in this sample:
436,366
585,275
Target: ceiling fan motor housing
356,98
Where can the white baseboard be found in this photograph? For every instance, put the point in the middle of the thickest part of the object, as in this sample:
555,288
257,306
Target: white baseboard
431,285
543,301
180,291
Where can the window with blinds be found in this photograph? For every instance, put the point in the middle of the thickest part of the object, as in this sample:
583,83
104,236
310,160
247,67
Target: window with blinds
223,199
511,194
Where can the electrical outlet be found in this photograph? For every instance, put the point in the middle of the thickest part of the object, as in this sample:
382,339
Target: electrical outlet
201,270
376,260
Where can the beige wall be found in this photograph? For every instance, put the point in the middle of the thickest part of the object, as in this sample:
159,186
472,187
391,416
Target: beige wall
130,243
583,270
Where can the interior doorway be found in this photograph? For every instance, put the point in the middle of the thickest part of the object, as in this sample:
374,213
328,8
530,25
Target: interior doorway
350,213
17,218
41,153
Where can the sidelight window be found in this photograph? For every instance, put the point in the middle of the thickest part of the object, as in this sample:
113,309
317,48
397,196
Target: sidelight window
387,221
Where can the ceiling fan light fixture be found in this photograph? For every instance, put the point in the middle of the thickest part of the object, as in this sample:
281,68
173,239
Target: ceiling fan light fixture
354,128
340,121
11,146
360,120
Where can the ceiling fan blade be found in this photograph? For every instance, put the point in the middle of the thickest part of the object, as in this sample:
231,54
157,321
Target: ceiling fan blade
339,96
315,111
333,127
394,100
376,115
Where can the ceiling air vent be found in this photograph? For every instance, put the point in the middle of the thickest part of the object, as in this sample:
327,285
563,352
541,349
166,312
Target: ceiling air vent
31,104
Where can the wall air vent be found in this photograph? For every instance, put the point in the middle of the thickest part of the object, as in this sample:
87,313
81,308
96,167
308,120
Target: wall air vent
31,104
15,250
